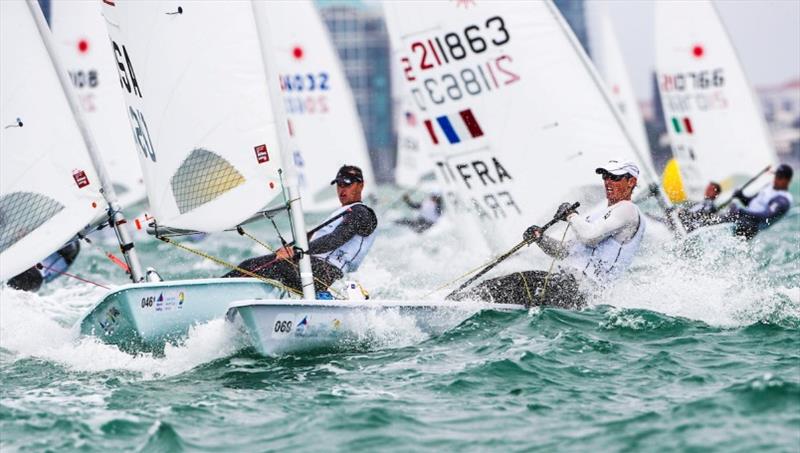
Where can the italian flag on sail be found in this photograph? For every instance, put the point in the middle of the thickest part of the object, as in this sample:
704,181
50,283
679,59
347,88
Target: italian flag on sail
682,125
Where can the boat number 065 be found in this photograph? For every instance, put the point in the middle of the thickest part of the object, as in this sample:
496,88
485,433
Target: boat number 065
283,326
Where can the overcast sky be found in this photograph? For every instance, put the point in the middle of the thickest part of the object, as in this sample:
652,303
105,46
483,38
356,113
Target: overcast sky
766,34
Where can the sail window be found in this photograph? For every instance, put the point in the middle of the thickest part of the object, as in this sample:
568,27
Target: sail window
201,178
23,212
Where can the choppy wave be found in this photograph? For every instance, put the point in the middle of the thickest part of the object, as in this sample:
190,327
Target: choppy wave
697,348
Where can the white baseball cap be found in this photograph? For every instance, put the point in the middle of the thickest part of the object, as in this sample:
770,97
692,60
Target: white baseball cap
619,168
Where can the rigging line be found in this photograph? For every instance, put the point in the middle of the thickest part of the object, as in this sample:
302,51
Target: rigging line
122,265
552,263
471,271
266,246
240,230
42,266
231,266
286,201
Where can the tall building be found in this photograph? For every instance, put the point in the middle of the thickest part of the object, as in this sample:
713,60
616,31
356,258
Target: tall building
574,11
359,34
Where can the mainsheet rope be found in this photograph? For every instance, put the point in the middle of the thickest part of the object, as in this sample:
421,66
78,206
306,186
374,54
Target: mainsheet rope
552,263
229,265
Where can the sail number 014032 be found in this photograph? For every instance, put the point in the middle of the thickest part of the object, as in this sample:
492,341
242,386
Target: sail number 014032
451,47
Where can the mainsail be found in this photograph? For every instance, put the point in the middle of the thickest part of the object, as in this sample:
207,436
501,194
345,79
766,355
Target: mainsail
412,163
80,33
324,123
512,109
49,189
200,109
715,125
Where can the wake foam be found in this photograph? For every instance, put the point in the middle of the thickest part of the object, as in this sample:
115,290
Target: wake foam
35,326
715,278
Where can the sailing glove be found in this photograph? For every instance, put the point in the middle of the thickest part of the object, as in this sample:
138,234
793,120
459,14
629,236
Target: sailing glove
564,210
533,234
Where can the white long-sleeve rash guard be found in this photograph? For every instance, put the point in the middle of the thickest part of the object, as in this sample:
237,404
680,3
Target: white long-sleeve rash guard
620,220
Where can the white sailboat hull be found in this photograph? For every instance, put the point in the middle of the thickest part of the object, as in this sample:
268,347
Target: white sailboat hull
144,316
278,327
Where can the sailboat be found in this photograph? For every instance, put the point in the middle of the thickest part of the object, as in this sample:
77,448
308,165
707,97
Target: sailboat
281,326
319,104
208,147
213,135
53,183
715,126
513,110
79,32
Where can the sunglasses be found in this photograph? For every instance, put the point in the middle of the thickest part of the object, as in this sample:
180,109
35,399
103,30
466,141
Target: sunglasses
346,182
615,178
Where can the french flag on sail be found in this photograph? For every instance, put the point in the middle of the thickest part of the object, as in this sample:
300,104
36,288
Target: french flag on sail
454,128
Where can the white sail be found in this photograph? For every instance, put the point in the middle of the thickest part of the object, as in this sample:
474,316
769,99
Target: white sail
199,106
324,123
80,33
49,189
512,108
716,128
412,163
607,54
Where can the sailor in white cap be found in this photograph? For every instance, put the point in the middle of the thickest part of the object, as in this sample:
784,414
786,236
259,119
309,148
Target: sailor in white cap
606,241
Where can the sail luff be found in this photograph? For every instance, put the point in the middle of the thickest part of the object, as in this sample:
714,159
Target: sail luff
261,18
107,188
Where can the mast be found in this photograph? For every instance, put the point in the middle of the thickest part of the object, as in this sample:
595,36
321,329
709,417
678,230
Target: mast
115,217
295,206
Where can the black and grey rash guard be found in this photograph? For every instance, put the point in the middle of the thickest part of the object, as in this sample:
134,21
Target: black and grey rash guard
346,241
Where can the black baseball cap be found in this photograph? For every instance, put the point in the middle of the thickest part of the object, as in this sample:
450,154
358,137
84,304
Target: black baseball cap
784,171
348,174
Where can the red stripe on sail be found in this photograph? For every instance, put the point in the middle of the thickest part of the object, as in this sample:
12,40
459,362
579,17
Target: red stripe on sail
429,126
688,124
109,2
471,123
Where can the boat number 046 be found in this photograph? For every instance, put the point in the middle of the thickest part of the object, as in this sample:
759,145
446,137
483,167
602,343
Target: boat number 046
283,326
129,84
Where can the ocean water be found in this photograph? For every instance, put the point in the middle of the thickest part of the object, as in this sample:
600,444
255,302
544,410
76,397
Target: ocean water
697,349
